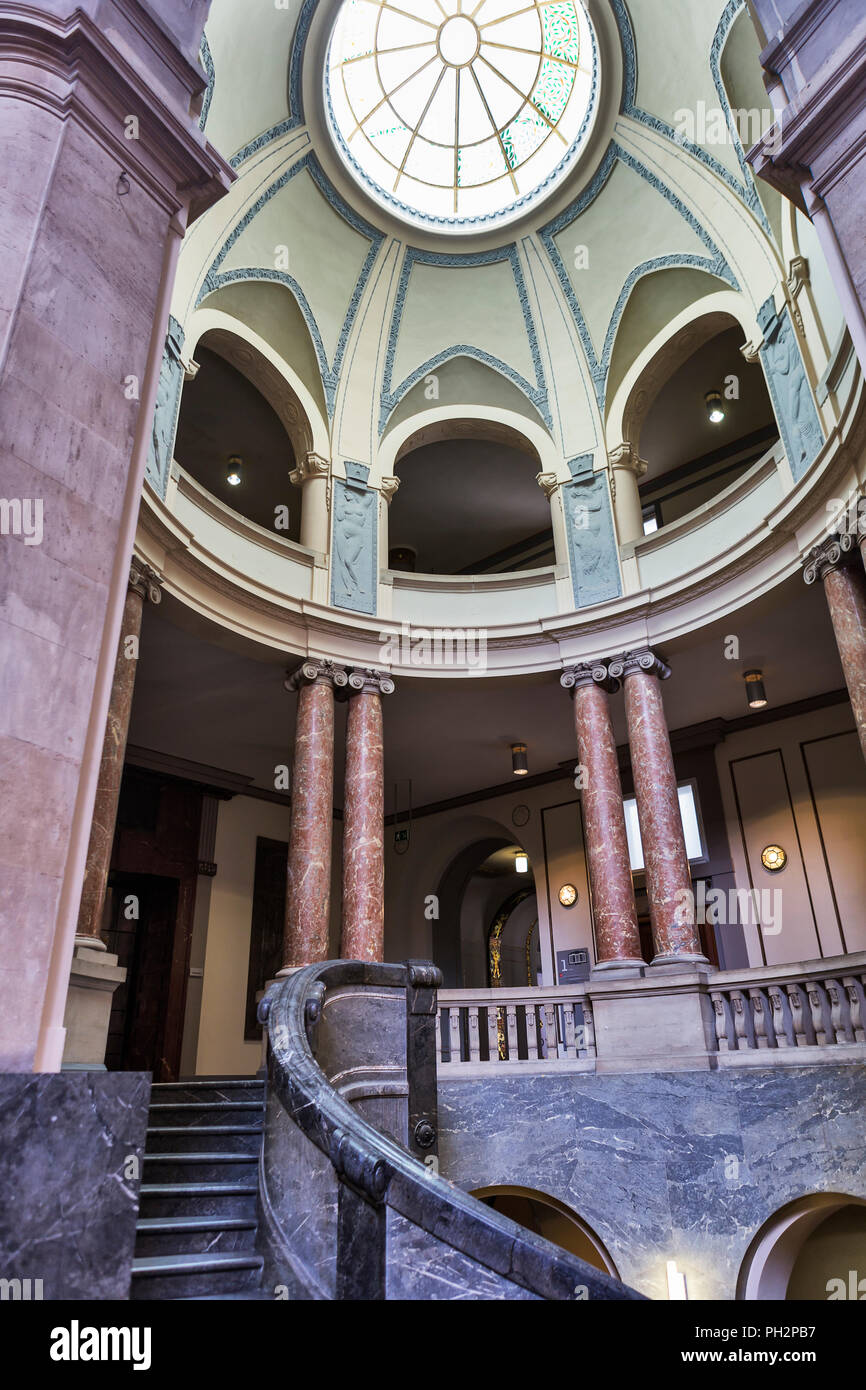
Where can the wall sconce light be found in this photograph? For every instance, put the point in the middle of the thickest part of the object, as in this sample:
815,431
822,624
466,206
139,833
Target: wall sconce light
715,407
568,895
519,765
755,692
774,859
677,1288
521,864
234,477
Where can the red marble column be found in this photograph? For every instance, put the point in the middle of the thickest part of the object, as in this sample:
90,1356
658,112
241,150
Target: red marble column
364,820
308,888
666,862
845,590
144,584
613,907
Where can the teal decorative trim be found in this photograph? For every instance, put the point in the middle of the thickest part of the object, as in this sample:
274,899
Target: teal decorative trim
167,410
355,560
714,264
296,96
215,279
208,65
746,190
592,547
793,403
391,396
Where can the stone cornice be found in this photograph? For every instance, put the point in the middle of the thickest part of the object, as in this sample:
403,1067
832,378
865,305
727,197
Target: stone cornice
102,88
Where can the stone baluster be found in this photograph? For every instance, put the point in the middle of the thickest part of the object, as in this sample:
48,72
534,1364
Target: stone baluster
454,1033
440,1045
845,591
804,1033
308,889
721,1017
840,1017
761,1020
588,1026
550,1030
144,585
511,1031
743,1031
531,1032
568,1046
857,1005
782,1021
819,1008
364,819
492,1033
613,906
474,1038
666,862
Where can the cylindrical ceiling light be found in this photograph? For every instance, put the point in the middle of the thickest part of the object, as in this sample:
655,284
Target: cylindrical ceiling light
519,765
715,407
234,476
755,692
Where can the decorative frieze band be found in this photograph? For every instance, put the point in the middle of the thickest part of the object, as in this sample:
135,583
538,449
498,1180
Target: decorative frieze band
144,581
641,661
830,555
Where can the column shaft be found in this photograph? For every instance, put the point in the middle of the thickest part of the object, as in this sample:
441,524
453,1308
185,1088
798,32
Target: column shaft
845,591
614,914
666,861
143,582
308,889
364,821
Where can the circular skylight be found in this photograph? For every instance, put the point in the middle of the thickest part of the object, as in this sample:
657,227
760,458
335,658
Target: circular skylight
460,114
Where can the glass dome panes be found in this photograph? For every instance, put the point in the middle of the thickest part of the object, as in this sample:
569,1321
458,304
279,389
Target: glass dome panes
459,114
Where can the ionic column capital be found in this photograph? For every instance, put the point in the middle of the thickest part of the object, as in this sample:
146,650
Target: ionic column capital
642,661
625,458
827,557
588,673
315,672
144,581
310,467
548,482
361,678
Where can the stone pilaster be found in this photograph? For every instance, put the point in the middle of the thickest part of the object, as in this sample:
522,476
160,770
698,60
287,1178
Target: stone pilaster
144,586
845,590
308,890
613,906
363,935
666,861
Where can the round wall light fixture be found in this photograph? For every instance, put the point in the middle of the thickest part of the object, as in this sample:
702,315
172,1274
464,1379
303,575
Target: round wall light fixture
715,407
519,765
568,895
774,859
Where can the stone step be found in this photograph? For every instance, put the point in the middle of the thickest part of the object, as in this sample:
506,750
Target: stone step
185,1276
189,1235
242,1139
177,1199
208,1089
189,1114
207,1166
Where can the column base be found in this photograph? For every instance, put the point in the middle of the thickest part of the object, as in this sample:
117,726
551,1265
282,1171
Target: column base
90,943
94,977
679,960
628,967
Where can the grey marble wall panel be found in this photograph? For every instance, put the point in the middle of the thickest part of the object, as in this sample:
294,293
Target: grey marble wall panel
71,1146
683,1166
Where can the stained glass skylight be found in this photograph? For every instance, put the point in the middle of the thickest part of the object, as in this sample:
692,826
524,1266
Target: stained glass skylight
459,114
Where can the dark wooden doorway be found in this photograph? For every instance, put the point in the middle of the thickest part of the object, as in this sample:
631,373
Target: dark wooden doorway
146,1026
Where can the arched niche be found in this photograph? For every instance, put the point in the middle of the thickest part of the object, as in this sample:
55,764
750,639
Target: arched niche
551,1219
773,1255
465,387
468,499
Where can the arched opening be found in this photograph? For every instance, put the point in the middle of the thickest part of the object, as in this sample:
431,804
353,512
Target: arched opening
231,439
469,502
487,932
550,1219
701,416
811,1249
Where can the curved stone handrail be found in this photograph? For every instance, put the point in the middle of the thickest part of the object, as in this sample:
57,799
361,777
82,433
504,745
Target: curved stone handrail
482,1250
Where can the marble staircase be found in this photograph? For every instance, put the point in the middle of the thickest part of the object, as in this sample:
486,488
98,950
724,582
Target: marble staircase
196,1232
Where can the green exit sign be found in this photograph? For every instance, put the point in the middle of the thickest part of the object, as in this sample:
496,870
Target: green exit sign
401,837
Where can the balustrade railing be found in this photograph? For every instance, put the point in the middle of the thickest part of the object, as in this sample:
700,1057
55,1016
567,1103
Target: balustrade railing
820,1005
515,1025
